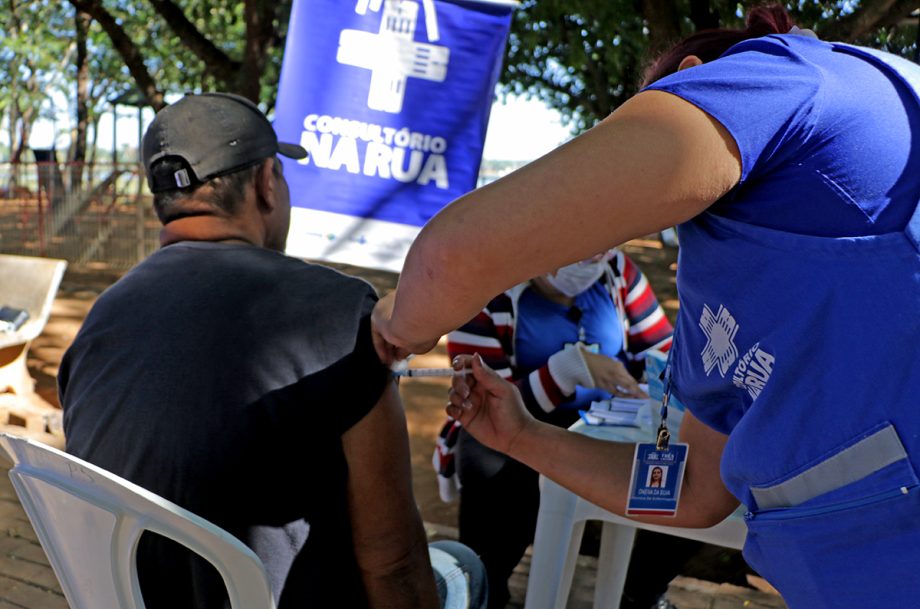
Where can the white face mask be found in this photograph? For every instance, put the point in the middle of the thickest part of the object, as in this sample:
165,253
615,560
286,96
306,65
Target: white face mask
574,279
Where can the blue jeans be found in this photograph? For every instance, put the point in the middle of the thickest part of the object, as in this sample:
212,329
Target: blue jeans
460,576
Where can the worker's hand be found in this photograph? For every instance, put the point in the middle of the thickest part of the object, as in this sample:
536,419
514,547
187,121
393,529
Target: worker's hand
389,348
611,375
488,406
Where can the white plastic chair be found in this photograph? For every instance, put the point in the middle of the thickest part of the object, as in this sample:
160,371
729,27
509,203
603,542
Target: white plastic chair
26,283
89,522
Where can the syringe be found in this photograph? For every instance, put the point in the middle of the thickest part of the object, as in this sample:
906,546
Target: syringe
432,372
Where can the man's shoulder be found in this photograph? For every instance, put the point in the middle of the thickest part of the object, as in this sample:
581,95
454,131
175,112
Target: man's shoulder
328,275
253,263
199,270
326,288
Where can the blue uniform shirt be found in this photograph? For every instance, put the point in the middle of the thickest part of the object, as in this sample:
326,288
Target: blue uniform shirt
798,332
824,135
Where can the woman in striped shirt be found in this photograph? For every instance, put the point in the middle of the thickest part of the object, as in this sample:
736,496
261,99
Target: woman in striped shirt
565,339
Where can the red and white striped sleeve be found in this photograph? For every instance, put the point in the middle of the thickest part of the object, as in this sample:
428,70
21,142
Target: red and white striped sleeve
489,334
648,326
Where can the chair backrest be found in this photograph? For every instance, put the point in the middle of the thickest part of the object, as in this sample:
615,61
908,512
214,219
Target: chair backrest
89,522
29,283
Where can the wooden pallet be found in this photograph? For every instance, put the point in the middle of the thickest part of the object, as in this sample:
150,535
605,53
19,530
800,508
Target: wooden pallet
32,417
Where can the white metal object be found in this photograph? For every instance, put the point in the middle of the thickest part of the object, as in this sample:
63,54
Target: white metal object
89,522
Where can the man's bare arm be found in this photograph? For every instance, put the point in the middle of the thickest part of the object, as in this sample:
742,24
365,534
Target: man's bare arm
387,532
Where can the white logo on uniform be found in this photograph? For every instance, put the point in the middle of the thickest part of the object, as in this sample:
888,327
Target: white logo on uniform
720,330
753,371
392,55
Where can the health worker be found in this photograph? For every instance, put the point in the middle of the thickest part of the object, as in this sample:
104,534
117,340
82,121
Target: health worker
792,167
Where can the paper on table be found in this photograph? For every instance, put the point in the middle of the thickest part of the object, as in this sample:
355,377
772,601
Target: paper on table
615,411
11,318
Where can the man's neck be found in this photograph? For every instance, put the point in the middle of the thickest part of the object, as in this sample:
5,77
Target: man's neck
205,228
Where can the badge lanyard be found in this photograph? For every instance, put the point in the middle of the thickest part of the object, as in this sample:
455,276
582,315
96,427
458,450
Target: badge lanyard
658,467
664,436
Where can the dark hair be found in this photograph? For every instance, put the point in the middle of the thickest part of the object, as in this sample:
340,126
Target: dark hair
223,192
711,44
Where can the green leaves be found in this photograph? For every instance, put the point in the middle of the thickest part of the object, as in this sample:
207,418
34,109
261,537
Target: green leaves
582,57
586,57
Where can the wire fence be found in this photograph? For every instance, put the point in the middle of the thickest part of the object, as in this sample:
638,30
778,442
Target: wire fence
91,216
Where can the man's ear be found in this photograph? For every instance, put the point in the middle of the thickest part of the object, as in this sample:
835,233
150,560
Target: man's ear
265,185
690,61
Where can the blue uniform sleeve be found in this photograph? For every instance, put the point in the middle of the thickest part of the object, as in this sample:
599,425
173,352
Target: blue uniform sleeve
763,92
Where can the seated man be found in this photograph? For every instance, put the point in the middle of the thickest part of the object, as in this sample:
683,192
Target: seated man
243,385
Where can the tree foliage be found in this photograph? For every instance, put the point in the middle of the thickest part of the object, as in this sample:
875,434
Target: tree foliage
35,48
93,51
582,57
586,57
181,45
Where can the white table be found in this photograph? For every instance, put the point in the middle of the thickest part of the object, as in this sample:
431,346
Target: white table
561,522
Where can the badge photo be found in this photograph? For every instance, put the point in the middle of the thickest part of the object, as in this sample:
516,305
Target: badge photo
654,488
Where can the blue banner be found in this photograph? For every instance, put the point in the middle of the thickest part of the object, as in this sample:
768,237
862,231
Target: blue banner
391,99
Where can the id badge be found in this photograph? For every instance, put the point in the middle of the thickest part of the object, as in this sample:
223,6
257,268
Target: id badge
654,488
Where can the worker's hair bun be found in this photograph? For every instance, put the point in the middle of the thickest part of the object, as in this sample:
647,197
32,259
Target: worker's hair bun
770,19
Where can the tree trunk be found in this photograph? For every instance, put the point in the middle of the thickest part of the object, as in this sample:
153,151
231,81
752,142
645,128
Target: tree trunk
129,51
25,132
15,150
91,162
78,145
219,63
663,22
702,15
870,15
259,15
14,123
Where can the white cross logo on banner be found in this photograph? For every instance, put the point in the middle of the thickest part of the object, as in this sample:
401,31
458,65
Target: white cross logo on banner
720,330
392,55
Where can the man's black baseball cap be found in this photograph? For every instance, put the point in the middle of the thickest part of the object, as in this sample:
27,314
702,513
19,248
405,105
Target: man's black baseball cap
213,134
